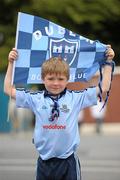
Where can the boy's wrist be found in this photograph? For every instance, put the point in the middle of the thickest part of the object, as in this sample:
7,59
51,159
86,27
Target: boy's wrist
109,60
10,62
110,63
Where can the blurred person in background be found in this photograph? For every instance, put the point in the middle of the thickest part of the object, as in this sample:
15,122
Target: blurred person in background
98,115
21,118
80,118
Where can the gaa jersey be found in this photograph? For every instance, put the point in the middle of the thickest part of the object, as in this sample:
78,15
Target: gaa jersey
58,138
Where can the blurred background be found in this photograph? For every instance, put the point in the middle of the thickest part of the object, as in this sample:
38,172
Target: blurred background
100,144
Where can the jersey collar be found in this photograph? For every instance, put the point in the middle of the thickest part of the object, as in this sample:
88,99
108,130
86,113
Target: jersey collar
52,96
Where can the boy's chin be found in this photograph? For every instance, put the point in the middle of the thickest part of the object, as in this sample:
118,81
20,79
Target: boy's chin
55,93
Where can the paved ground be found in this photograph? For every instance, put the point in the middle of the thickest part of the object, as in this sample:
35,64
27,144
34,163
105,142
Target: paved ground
99,155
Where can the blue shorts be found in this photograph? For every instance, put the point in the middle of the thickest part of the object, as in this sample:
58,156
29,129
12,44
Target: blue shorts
59,169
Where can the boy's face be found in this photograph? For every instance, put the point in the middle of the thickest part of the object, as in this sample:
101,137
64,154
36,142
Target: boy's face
55,84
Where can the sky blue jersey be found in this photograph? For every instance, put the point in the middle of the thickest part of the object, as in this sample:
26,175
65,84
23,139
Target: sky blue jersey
58,138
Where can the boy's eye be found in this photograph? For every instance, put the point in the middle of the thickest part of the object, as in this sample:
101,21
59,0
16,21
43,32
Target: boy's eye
50,79
61,79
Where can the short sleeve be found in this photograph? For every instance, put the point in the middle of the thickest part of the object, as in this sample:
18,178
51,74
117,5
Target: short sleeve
89,97
24,99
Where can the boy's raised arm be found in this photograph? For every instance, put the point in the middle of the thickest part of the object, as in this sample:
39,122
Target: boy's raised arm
107,72
8,88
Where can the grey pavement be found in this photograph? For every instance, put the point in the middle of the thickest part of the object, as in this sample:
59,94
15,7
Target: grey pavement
99,154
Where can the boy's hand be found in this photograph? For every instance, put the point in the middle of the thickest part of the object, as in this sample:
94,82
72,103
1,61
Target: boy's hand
13,55
109,53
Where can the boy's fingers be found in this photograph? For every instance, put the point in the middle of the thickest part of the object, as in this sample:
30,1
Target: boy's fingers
12,56
108,46
109,53
14,49
14,52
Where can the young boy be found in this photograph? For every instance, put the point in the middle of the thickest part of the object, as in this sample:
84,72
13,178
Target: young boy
56,109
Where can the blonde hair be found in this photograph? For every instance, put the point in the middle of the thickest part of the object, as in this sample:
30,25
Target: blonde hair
55,65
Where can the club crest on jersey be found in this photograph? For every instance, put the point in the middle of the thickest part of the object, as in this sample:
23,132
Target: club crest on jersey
64,108
64,48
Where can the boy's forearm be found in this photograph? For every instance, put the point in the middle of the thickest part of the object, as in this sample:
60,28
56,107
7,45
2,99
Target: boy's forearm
107,70
8,79
8,88
105,81
106,78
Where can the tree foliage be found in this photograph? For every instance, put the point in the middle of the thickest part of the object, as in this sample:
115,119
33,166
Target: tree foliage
94,19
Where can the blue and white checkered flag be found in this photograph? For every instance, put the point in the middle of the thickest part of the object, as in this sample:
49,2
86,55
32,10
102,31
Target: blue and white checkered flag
38,39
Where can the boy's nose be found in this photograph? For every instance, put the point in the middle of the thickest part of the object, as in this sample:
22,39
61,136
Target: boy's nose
56,81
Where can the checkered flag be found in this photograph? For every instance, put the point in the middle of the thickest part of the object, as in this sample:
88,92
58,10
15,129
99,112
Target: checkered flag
38,39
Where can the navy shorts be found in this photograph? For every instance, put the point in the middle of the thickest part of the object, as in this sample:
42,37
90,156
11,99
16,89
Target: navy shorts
59,169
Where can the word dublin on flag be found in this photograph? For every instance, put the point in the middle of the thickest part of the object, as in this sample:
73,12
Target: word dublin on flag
38,39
